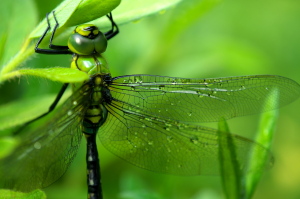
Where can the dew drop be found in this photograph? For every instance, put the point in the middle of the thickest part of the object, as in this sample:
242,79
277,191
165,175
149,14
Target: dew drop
161,87
70,113
169,138
168,124
138,79
148,119
37,145
180,126
194,140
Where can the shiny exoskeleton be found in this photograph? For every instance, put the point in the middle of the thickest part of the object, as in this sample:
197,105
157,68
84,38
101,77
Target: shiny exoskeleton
87,43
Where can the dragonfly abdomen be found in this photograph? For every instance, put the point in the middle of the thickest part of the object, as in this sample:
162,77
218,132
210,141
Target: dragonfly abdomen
93,168
94,117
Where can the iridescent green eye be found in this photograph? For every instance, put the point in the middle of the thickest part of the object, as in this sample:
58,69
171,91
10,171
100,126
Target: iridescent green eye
100,43
86,40
80,44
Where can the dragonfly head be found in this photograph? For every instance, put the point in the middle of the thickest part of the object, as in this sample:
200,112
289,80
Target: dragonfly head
86,40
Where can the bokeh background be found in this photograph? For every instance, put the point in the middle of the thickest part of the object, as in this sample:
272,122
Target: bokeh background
230,38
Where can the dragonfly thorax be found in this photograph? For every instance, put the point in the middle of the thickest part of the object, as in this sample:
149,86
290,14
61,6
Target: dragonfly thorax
91,64
87,39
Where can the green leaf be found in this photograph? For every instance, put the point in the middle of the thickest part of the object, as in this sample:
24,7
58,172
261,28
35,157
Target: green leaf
95,9
68,13
8,194
129,11
65,75
7,145
62,12
230,168
262,159
15,27
73,12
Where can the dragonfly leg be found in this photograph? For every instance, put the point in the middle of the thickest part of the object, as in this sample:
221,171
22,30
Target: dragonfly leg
54,49
114,28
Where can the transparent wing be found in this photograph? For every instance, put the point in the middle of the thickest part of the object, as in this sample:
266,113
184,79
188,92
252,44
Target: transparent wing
46,151
203,100
168,146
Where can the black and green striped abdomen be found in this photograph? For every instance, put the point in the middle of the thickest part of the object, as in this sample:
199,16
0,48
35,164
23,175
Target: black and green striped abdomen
94,117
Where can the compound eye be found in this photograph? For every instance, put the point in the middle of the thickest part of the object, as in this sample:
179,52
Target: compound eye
87,39
81,45
100,43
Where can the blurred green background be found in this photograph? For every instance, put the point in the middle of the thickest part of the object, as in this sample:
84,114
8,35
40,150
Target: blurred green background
233,38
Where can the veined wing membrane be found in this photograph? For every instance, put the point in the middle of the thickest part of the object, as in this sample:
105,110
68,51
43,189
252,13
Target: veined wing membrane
46,150
168,146
203,100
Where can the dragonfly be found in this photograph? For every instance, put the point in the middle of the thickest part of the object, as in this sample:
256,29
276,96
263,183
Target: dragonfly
149,121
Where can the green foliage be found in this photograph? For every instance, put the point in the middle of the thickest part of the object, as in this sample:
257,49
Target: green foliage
236,38
55,74
13,36
235,183
264,136
69,13
232,179
7,144
36,194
